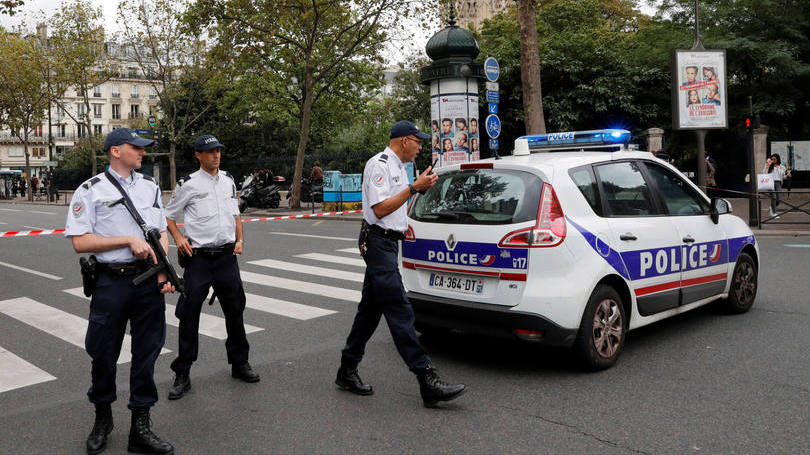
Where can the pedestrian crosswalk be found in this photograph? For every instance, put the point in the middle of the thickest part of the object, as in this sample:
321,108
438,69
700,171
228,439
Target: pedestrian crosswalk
68,329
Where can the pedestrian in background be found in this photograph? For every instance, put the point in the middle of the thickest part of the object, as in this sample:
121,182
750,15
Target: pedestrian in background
207,201
98,223
385,193
774,167
317,173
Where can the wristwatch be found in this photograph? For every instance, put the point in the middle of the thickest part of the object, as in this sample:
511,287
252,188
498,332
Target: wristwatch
412,189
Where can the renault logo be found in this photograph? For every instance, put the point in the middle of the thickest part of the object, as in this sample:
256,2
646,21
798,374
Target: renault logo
450,242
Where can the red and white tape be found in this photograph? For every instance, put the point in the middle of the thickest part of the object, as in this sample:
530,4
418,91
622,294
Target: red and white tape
244,220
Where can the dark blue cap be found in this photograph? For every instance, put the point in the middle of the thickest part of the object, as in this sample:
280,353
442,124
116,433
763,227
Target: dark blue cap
125,136
405,128
207,142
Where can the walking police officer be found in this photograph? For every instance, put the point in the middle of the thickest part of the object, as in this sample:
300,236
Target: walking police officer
207,201
385,193
98,222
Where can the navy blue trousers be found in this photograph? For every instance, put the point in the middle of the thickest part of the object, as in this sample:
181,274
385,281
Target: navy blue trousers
383,295
202,272
115,302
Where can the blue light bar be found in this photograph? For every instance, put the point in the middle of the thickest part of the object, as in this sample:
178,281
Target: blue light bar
578,138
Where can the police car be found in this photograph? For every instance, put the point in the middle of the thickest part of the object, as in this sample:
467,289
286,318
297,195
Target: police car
573,240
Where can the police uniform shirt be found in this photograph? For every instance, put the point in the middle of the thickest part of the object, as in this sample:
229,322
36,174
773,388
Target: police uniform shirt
209,208
97,208
385,176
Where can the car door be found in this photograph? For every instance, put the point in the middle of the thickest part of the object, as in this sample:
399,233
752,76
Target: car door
704,249
645,238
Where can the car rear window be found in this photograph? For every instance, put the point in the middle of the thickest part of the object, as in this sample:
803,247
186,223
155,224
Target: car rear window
480,196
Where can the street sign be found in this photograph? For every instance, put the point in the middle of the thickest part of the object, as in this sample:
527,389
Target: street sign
152,121
51,163
493,108
493,125
491,69
143,132
493,97
493,144
492,86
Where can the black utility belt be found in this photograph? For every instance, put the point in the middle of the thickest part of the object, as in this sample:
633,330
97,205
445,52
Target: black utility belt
387,233
123,268
214,251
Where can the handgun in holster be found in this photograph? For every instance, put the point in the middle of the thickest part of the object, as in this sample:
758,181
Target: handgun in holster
89,274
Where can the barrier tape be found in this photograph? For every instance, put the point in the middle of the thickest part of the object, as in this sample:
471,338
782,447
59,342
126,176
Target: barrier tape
248,220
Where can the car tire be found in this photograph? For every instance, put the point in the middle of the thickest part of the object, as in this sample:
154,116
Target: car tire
743,288
602,330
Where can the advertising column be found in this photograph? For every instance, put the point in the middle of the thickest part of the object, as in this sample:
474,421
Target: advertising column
454,119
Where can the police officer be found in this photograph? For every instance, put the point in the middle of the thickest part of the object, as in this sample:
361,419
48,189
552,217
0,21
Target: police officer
385,193
98,222
207,201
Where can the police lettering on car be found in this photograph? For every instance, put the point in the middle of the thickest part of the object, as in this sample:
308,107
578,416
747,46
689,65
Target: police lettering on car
213,237
99,223
574,240
385,193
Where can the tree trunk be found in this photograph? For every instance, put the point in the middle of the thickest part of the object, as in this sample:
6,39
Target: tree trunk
530,65
306,118
27,167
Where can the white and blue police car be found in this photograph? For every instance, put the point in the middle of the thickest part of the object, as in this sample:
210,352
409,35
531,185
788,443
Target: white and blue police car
573,240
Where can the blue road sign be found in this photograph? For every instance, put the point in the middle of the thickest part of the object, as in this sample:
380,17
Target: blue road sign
143,132
493,97
493,125
493,108
491,69
493,144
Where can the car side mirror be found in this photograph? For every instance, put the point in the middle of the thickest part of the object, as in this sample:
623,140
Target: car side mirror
719,207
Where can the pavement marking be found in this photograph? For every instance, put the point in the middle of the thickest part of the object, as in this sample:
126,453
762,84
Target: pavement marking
16,372
36,228
348,239
349,250
284,308
302,286
799,245
34,272
308,269
65,326
11,210
44,213
333,259
1,222
210,325
317,222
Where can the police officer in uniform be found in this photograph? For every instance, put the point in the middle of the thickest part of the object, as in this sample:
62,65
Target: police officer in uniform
385,193
207,201
98,222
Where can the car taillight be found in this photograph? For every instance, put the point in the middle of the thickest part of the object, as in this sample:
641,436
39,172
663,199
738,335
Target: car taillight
549,230
409,236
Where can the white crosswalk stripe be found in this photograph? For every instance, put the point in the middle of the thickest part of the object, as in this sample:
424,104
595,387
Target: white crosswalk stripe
308,269
349,250
211,326
333,259
302,286
16,372
284,308
63,325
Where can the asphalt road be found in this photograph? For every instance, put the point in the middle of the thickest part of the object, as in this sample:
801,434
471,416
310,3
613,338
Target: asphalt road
703,383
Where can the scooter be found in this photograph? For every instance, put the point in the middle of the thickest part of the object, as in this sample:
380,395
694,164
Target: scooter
310,191
260,192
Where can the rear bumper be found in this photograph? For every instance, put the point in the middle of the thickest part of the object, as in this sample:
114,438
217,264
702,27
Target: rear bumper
486,319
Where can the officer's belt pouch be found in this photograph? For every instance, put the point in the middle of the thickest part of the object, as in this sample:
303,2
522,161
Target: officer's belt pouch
89,272
182,259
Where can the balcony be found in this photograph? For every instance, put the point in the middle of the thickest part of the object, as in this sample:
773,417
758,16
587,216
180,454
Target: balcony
134,96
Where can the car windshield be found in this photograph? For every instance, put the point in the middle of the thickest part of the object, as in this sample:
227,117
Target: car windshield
480,196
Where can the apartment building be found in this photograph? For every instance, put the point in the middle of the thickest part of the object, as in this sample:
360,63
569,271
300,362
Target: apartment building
473,12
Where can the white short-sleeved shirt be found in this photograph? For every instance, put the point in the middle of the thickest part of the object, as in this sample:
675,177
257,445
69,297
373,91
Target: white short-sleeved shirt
209,208
95,209
385,176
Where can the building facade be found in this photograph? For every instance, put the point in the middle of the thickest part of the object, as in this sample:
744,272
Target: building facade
470,13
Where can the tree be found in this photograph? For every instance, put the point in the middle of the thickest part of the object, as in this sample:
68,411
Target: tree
302,52
530,64
10,6
22,98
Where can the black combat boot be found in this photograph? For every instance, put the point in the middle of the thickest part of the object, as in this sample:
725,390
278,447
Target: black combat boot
141,438
348,379
97,441
245,373
434,390
182,384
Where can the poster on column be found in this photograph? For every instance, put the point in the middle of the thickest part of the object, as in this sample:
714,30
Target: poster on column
699,92
454,129
436,142
474,136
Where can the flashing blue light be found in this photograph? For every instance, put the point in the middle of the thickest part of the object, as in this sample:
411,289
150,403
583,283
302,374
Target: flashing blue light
579,138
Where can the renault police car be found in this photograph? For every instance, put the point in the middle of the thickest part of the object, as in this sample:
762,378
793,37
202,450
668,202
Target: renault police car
573,240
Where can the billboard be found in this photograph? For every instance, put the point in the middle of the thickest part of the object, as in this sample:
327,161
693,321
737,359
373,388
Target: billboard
699,98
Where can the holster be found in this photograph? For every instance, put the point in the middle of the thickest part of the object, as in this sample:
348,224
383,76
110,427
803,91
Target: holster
183,259
89,274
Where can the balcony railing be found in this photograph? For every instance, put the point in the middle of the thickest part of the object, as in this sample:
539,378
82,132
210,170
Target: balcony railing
133,115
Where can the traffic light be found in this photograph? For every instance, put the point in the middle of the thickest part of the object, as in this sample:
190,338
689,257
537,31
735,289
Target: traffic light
748,124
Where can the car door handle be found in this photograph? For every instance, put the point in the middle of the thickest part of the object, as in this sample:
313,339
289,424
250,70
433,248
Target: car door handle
628,236
688,239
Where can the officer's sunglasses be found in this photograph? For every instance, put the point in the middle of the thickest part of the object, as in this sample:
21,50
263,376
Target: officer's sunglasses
418,141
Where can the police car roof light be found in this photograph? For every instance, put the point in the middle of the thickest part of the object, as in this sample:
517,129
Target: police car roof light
571,140
549,229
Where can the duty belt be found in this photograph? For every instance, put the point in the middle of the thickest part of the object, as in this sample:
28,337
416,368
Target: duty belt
214,251
123,268
387,233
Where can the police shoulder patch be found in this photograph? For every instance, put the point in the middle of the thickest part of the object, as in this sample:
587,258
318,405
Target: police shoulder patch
77,208
183,180
378,177
149,178
86,185
383,158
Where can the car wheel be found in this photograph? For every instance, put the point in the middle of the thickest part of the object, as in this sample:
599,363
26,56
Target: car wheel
603,329
743,289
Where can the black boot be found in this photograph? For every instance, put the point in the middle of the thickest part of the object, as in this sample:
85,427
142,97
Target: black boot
97,441
434,390
244,372
141,438
182,384
348,379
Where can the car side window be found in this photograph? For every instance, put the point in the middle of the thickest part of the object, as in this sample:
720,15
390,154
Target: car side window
586,182
678,197
624,189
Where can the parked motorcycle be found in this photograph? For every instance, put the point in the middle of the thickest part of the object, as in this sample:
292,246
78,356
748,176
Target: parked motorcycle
310,190
260,192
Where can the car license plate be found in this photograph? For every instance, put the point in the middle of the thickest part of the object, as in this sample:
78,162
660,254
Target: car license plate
457,283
